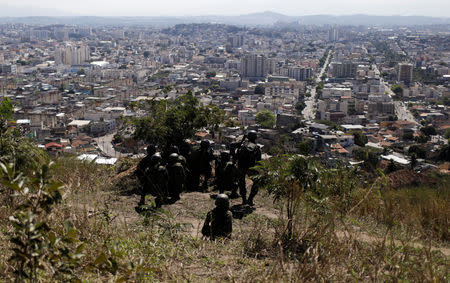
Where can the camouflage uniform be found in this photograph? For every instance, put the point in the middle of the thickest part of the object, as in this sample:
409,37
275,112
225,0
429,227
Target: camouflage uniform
201,165
142,172
177,177
159,182
218,222
247,155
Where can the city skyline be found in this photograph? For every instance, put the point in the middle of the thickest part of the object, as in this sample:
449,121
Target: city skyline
23,8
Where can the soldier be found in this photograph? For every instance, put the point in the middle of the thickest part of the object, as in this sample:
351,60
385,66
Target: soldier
141,172
226,175
177,177
218,222
201,165
247,155
159,180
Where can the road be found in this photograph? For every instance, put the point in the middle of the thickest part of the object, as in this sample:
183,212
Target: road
310,102
401,110
105,145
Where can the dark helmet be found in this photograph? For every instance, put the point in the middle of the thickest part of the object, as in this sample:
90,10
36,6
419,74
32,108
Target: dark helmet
185,148
252,136
222,201
151,149
156,158
204,144
173,158
225,156
174,149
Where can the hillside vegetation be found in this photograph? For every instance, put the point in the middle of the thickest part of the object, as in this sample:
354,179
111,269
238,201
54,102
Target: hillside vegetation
76,221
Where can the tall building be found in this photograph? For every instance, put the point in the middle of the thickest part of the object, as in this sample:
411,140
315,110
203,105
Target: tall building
345,69
333,34
405,73
256,67
236,40
72,55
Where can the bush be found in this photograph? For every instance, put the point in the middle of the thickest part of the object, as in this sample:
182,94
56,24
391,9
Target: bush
265,119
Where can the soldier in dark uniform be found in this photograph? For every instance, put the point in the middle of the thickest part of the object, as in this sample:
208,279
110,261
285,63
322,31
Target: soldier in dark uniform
218,222
159,180
226,175
177,177
247,155
201,165
185,160
141,172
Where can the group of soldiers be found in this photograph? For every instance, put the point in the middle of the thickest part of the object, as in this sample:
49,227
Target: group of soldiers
166,175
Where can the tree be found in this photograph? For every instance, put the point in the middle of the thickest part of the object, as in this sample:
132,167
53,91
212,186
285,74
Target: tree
299,106
428,131
81,72
305,147
397,89
444,153
211,74
421,139
447,134
408,136
418,151
260,89
6,109
146,54
360,138
170,123
265,119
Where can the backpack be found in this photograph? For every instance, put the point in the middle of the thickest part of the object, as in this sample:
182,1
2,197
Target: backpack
247,155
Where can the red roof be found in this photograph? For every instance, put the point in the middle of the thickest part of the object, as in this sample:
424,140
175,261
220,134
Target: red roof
53,144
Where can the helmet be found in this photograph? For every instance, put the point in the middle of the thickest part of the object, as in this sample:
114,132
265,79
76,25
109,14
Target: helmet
252,135
204,144
174,149
173,158
222,201
225,156
185,148
151,149
156,158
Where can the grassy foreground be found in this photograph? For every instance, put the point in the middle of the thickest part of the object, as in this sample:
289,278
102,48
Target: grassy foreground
386,236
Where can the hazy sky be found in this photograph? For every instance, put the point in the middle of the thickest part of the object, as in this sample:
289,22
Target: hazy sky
438,8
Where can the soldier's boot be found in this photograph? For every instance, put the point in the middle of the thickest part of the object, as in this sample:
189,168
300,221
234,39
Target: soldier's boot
234,193
252,195
158,202
243,192
142,200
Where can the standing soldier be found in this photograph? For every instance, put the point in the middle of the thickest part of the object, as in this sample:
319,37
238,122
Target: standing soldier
201,165
247,155
159,180
142,170
177,177
219,222
226,175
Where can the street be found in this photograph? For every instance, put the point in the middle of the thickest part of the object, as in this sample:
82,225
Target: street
105,145
310,102
401,110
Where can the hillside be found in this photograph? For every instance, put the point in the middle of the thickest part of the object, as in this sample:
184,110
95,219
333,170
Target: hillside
362,244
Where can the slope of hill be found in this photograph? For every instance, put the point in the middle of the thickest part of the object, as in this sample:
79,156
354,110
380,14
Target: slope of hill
120,244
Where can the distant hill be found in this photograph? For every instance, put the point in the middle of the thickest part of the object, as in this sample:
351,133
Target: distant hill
15,15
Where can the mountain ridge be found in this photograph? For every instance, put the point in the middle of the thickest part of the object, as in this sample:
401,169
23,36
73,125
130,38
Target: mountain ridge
266,18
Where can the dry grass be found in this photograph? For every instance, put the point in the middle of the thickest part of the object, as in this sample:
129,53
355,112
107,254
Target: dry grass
166,246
